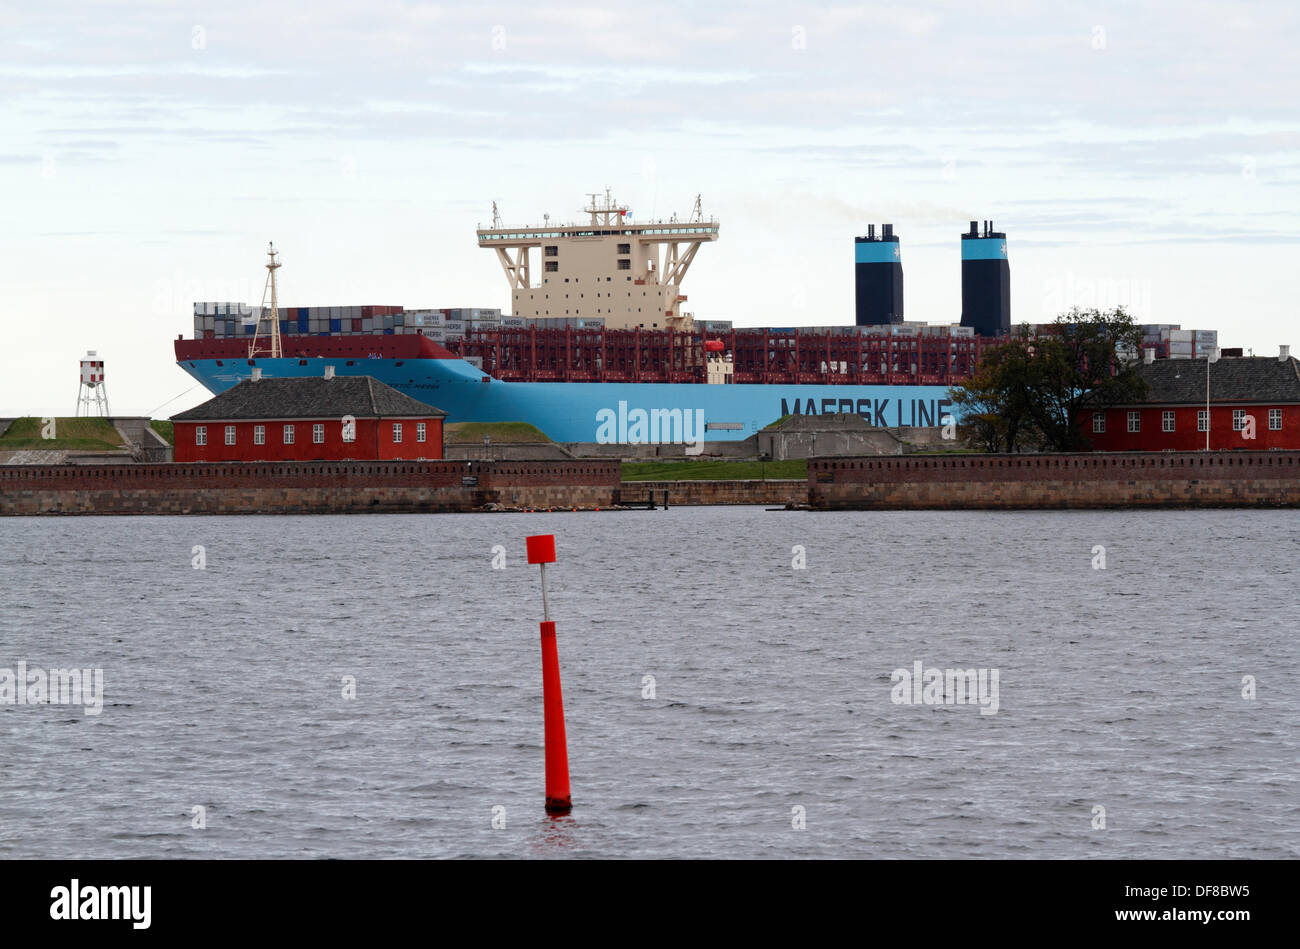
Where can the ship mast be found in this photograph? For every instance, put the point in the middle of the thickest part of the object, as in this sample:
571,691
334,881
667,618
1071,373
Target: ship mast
271,267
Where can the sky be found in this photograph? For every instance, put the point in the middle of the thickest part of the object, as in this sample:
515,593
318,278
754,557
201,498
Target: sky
1145,155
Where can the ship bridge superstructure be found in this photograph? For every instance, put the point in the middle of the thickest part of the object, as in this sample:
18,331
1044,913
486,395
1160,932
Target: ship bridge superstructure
626,274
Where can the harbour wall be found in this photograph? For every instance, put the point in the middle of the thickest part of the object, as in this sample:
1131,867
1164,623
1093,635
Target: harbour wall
1026,482
691,493
304,488
957,482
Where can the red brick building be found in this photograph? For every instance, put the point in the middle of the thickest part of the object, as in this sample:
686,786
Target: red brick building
335,418
1255,396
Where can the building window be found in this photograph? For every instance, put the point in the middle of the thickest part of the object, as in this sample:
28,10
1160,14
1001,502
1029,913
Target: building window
1098,422
259,434
552,266
288,434
1275,420
552,251
230,434
200,434
419,431
1238,419
397,432
625,248
1134,421
624,264
350,430
1202,420
318,434
1167,421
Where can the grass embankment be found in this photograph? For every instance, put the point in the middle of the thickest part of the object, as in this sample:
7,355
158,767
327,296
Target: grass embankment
500,432
71,434
793,470
164,428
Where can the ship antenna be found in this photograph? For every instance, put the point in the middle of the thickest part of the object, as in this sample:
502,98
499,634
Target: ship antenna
271,267
496,216
697,216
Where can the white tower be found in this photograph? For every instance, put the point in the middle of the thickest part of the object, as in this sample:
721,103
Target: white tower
91,395
273,349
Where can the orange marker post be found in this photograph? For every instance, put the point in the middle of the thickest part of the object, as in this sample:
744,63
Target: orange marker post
541,551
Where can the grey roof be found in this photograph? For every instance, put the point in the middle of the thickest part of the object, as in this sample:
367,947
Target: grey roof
311,397
1255,379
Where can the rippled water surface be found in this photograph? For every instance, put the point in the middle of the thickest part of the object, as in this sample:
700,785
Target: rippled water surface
1118,688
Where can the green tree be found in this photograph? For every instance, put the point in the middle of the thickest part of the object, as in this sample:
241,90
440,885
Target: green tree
1031,392
995,400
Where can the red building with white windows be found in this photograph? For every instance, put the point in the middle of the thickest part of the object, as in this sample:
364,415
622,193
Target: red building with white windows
1254,405
330,418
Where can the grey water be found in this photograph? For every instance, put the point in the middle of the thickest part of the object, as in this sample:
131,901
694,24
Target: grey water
722,699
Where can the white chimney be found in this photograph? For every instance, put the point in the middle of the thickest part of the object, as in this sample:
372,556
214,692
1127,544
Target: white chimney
329,372
1284,353
257,373
1148,355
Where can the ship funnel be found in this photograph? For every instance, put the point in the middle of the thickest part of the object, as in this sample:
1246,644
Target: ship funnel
985,281
329,372
878,277
257,373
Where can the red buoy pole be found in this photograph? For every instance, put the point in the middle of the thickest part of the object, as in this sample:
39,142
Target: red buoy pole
541,551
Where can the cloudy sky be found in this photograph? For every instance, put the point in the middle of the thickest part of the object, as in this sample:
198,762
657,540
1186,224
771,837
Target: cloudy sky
1138,154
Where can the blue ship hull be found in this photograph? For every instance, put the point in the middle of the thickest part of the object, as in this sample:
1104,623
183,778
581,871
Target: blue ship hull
573,411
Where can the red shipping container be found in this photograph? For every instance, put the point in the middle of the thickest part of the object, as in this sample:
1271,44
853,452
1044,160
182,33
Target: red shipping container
367,311
356,324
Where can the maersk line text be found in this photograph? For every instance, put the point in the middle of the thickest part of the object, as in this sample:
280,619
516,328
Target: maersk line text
885,413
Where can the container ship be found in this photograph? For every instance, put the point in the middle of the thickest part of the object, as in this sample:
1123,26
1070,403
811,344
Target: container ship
597,341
